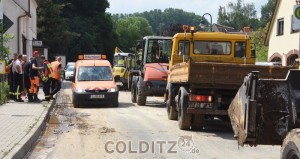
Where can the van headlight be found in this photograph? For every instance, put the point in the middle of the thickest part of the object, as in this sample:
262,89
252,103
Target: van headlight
112,90
79,90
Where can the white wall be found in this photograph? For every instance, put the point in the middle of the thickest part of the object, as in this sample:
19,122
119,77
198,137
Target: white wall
27,25
288,41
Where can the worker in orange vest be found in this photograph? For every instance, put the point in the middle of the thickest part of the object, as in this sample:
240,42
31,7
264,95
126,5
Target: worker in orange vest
46,74
34,78
56,78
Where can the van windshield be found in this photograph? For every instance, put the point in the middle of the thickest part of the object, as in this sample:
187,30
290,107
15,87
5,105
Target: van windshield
94,73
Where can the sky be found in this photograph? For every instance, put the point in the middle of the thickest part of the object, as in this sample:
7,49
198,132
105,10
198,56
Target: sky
199,7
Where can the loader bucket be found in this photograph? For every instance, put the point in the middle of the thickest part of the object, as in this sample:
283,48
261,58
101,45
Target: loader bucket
264,110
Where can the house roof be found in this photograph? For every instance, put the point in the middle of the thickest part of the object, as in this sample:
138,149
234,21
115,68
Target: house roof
223,28
272,21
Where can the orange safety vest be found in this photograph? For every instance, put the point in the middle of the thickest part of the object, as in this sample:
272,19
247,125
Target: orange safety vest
55,69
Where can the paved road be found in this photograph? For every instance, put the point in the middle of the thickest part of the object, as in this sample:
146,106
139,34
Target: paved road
132,131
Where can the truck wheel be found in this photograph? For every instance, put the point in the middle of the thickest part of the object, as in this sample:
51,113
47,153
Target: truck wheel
141,99
172,113
197,122
133,94
184,119
129,82
291,145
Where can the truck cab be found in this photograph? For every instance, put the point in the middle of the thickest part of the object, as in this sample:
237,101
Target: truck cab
151,77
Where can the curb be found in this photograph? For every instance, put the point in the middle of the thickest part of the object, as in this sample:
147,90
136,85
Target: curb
29,141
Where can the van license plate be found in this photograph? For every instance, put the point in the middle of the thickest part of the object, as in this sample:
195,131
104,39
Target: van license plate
97,96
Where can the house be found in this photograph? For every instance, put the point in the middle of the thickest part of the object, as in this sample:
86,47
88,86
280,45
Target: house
22,15
222,28
282,40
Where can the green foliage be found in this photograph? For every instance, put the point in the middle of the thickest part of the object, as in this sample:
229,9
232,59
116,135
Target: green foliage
70,27
160,20
266,12
238,15
130,30
6,38
258,38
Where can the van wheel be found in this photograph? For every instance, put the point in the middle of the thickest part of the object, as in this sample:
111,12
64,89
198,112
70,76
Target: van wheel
141,99
184,119
291,145
116,103
75,105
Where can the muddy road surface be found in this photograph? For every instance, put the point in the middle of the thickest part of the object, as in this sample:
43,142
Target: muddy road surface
131,131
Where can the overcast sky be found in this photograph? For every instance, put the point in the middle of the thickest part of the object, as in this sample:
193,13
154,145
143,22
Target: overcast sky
198,7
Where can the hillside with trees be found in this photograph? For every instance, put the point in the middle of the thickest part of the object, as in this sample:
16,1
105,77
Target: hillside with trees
70,27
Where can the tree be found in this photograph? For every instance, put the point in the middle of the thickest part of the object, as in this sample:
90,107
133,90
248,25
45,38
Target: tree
238,15
266,12
71,27
130,30
258,38
160,20
52,27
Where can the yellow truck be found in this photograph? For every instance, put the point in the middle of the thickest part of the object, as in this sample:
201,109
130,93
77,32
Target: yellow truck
124,65
206,70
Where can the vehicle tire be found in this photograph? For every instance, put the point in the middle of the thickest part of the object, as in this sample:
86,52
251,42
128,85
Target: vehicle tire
197,122
172,113
116,103
184,119
291,145
171,110
141,99
75,104
129,83
133,93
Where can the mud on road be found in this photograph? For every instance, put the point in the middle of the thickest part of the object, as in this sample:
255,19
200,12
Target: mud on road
63,119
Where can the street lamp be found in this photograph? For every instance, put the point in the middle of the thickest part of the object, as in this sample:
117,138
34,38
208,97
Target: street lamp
202,23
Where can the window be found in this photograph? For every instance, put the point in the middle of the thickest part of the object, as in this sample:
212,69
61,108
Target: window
280,26
239,49
94,73
159,50
212,47
184,48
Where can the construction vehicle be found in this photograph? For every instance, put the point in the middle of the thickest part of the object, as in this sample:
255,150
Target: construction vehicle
266,112
151,77
206,71
124,65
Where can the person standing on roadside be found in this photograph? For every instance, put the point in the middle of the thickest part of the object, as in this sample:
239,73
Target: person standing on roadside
18,78
11,76
34,77
47,73
26,75
56,78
